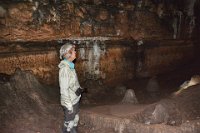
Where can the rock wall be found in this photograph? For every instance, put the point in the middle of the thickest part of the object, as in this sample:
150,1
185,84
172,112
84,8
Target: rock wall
40,60
162,57
110,62
41,64
52,20
97,27
107,61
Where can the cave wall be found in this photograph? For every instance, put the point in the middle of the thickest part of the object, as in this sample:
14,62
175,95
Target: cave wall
53,20
40,60
116,40
110,62
163,57
196,33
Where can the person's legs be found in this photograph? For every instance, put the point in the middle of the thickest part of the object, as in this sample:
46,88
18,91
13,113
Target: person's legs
65,128
76,119
71,120
71,126
68,121
73,130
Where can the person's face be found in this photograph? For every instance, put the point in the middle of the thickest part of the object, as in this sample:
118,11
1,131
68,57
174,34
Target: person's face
73,55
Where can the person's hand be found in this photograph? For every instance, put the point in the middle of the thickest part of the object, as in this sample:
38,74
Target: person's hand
70,111
84,90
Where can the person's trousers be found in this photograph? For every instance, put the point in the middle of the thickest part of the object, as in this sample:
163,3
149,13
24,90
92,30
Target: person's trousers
71,119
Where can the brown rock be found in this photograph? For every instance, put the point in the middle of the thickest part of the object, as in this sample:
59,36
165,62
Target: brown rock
107,30
86,29
104,30
97,2
79,13
70,8
67,30
129,7
75,26
21,12
97,30
121,26
103,15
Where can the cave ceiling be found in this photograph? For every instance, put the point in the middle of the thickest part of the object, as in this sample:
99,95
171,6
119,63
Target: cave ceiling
46,20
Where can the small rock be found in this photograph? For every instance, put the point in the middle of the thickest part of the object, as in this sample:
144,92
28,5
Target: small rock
147,122
173,122
130,97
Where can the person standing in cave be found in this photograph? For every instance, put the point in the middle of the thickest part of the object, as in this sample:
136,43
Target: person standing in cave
70,90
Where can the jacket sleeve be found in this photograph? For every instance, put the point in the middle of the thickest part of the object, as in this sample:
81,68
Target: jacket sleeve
64,88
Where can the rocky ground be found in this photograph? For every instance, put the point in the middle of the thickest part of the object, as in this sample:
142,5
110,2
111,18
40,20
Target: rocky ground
159,109
26,106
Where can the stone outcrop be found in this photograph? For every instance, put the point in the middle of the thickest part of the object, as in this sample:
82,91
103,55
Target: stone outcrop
24,101
175,110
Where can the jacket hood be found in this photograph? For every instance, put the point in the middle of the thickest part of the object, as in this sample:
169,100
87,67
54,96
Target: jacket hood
63,64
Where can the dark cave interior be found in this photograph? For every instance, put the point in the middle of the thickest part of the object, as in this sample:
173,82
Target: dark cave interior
138,59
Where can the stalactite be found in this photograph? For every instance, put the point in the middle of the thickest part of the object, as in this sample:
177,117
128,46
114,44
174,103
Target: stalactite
177,20
189,10
189,7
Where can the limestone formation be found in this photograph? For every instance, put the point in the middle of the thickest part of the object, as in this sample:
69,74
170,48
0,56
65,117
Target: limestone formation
129,97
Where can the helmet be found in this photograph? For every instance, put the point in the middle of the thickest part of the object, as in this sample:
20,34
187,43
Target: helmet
65,50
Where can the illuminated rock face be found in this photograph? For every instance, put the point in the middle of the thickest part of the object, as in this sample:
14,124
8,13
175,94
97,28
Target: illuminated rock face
41,61
141,19
98,26
111,62
38,20
105,61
